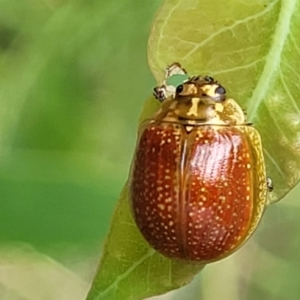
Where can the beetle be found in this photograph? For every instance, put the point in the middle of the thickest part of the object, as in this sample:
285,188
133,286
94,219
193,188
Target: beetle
198,184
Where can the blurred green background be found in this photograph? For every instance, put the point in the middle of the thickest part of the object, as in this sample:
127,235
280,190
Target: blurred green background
73,79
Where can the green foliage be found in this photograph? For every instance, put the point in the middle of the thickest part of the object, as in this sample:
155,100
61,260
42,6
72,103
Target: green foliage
73,75
130,268
65,112
252,48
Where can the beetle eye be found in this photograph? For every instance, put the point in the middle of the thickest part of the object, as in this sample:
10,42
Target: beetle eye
179,89
209,79
220,90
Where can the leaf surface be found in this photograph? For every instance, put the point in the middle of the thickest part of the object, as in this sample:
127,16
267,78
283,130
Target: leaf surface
252,48
129,269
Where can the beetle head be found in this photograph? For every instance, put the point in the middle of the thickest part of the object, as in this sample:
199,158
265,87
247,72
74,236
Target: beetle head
201,100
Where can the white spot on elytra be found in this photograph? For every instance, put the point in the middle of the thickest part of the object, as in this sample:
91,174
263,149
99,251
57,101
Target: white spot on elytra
161,206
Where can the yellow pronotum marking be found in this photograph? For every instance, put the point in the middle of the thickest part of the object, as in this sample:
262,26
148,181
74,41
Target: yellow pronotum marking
194,108
219,107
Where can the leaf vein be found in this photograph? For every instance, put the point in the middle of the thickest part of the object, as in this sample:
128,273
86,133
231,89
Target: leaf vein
288,92
238,67
228,28
274,162
126,273
273,57
295,74
166,20
294,43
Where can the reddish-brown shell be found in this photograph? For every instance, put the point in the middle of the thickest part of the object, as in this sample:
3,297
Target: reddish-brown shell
197,192
198,183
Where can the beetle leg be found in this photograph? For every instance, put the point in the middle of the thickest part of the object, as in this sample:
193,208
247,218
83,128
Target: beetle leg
271,197
270,184
159,93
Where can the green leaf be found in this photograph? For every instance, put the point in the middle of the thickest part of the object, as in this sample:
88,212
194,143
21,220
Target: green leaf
129,269
253,48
